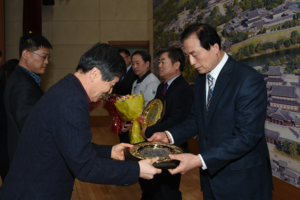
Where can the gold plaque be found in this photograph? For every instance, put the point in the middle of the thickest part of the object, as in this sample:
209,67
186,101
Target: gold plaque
162,150
153,113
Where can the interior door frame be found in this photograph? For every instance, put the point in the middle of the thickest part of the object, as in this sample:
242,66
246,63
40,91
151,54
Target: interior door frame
130,43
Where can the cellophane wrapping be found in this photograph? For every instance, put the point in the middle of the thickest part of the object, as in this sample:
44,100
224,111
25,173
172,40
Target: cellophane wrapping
130,108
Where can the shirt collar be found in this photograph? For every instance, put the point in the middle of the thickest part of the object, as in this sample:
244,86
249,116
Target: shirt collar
128,68
216,71
170,81
87,98
36,77
144,76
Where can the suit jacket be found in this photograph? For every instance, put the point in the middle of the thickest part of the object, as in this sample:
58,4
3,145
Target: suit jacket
231,133
125,86
20,95
179,98
55,147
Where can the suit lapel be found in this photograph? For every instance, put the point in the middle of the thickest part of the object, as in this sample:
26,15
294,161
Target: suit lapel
220,85
173,86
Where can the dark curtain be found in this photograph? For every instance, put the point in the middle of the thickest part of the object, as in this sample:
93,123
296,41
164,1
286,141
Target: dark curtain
32,16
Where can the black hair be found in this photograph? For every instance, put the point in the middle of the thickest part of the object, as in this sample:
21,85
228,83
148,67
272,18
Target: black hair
145,56
175,54
6,69
0,53
207,35
32,42
106,58
123,50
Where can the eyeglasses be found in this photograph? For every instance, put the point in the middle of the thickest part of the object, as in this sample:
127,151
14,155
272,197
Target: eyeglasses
44,57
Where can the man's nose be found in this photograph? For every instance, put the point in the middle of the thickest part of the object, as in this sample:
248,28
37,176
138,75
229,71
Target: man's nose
192,60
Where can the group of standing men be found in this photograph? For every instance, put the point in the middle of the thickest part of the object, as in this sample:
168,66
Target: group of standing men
227,112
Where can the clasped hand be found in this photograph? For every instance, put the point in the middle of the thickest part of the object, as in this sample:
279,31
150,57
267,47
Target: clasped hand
126,127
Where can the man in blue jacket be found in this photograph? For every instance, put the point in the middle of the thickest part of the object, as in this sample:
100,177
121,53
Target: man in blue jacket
228,115
55,143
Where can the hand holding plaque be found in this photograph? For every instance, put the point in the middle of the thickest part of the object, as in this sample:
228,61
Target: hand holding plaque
146,150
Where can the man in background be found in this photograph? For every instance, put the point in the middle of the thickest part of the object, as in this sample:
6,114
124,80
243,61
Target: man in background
5,72
124,86
147,82
179,97
23,88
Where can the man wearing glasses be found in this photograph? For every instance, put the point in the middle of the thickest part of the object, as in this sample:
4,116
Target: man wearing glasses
23,89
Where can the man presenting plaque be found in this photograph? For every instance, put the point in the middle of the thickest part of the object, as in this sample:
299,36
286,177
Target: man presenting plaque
228,115
179,96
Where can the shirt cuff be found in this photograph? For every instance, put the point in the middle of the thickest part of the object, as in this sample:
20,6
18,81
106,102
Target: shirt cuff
204,167
171,137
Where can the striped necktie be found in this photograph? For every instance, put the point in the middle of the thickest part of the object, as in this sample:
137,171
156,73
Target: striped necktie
210,91
165,89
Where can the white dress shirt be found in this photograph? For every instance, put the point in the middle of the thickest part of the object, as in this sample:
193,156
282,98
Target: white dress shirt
214,73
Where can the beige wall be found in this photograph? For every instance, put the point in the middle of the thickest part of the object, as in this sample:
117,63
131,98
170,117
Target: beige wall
72,26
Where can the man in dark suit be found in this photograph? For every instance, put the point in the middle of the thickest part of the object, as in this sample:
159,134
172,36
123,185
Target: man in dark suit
124,86
55,143
179,97
5,72
228,115
23,89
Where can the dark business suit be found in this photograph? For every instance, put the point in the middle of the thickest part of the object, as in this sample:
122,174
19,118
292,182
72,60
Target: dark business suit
5,72
179,98
55,147
20,95
231,134
124,88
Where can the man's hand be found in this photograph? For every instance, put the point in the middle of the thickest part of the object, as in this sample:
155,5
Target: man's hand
187,162
117,151
159,137
147,171
125,127
143,132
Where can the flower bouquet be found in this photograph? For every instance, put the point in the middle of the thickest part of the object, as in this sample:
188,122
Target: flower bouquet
130,108
115,125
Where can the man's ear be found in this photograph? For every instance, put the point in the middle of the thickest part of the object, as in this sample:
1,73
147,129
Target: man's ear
216,48
177,65
148,64
95,73
25,54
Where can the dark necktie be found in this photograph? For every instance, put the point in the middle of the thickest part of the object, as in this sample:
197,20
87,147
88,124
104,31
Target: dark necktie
210,90
165,89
